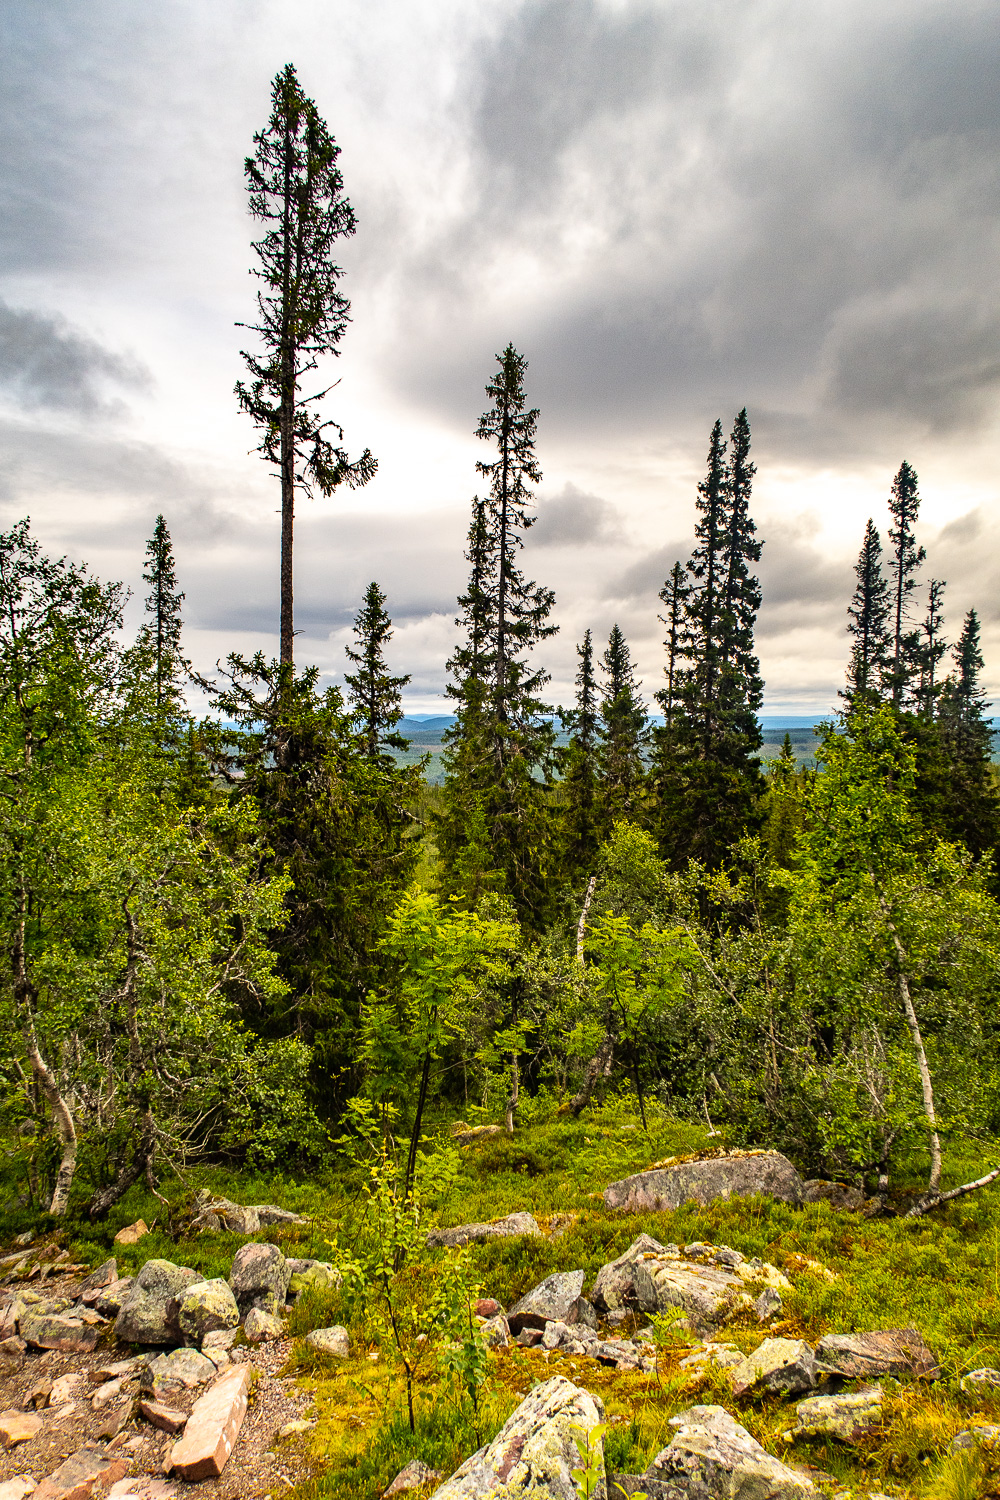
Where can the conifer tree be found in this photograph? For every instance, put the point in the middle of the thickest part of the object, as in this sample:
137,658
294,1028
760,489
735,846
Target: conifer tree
741,689
868,623
674,595
501,752
582,820
374,693
707,568
623,732
927,649
904,505
163,603
956,789
296,192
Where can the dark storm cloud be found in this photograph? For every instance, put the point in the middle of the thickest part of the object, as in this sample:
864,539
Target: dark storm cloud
789,206
576,519
45,364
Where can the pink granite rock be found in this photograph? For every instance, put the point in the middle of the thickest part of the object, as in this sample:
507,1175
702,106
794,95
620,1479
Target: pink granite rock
213,1427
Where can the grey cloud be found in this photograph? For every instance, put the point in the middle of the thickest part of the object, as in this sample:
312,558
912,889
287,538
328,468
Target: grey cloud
46,364
574,518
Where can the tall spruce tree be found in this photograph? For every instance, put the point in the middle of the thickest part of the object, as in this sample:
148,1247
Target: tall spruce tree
582,821
623,732
674,595
705,777
374,694
501,753
928,648
163,604
868,624
296,193
904,506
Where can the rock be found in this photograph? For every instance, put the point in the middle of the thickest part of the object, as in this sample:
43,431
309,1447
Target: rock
166,1418
333,1341
108,1302
726,1356
963,1441
259,1325
259,1278
18,1427
705,1293
184,1367
205,1307
768,1303
221,1214
118,1368
317,1276
131,1233
550,1301
463,1234
495,1332
149,1313
534,1451
38,1395
115,1419
837,1194
529,1338
66,1388
476,1133
887,1351
413,1477
777,1365
142,1487
105,1274
486,1307
726,1256
735,1175
75,1478
109,1391
219,1340
213,1427
712,1455
847,1416
17,1489
975,1380
11,1354
54,1331
295,1427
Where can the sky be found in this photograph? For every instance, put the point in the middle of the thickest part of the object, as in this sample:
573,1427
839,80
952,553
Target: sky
673,210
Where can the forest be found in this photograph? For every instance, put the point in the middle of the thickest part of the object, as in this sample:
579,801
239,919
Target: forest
257,944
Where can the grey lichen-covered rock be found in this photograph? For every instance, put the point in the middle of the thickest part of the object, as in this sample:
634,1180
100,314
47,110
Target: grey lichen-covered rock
105,1274
222,1215
735,1175
886,1351
150,1309
259,1325
977,1380
464,1234
259,1278
986,1436
712,1455
535,1450
45,1330
847,1416
776,1365
726,1356
615,1284
706,1293
495,1332
837,1194
414,1477
318,1275
767,1304
109,1299
551,1301
333,1341
205,1307
182,1367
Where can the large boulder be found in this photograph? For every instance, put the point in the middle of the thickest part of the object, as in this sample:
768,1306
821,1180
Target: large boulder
705,1293
837,1194
787,1365
846,1416
205,1307
182,1367
333,1341
736,1175
615,1284
222,1215
311,1275
535,1451
886,1351
554,1300
259,1278
150,1311
499,1229
712,1455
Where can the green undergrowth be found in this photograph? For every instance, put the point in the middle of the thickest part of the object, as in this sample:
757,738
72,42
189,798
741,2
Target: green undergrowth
940,1274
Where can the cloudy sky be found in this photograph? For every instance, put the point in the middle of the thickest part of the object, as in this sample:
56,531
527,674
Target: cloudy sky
672,207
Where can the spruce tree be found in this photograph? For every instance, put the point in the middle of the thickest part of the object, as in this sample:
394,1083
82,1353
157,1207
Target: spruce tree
373,692
707,568
163,603
927,649
582,822
623,732
741,689
904,505
868,623
500,755
674,595
296,192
